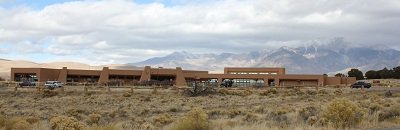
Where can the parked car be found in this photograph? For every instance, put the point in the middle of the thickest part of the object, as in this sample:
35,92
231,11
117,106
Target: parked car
227,83
361,85
53,84
26,84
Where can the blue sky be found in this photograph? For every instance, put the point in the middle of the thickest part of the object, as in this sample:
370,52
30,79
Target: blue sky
37,4
125,31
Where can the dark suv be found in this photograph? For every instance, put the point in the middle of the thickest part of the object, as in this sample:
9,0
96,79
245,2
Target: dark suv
227,83
361,85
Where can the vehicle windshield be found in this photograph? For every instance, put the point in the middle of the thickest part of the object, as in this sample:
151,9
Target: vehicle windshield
49,82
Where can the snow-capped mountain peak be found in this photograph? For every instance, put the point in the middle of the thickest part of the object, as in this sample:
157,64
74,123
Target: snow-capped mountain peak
315,59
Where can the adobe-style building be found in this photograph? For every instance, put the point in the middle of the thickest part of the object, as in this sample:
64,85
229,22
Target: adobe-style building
241,76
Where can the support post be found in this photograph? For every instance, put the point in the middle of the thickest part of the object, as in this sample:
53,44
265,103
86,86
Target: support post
219,82
266,82
277,82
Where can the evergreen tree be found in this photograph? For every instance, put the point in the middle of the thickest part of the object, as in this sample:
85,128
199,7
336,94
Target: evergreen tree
396,72
385,73
372,74
356,73
339,75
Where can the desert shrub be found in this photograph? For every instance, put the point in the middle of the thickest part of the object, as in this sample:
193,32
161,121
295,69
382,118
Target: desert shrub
173,109
396,95
74,112
198,90
322,92
311,92
246,92
127,94
106,127
196,119
294,92
374,107
269,92
223,91
389,113
214,114
312,120
298,91
65,123
250,117
388,93
145,99
3,84
307,112
233,113
93,119
155,91
32,120
281,111
15,123
163,119
342,113
322,122
49,93
281,120
338,92
279,115
146,126
3,120
260,109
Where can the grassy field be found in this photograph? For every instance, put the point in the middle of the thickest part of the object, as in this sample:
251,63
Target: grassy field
256,109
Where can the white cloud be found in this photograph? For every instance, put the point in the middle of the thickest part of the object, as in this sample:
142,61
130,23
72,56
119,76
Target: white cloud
122,31
102,45
328,17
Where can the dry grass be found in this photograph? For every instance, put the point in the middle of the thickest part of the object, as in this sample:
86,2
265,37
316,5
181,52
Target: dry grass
165,109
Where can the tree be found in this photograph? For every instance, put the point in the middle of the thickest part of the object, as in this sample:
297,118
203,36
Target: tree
2,79
396,72
372,74
340,75
385,73
356,73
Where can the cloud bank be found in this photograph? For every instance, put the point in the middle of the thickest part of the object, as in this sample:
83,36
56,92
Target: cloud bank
121,31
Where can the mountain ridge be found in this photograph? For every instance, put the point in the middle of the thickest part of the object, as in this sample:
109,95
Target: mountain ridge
312,59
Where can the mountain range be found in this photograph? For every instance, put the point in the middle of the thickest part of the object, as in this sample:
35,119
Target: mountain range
312,59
